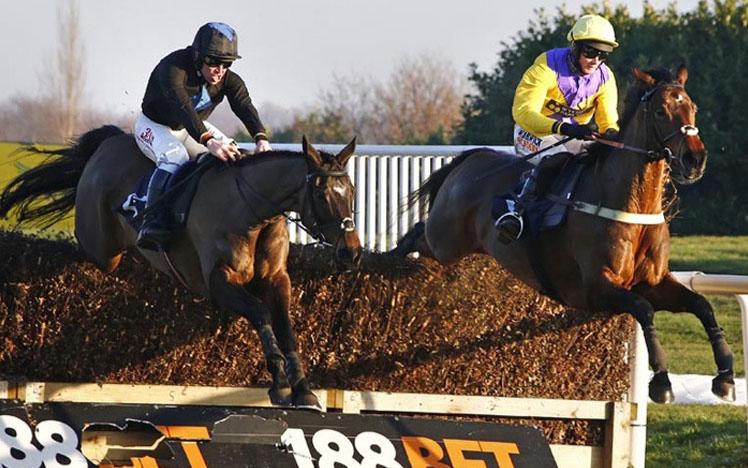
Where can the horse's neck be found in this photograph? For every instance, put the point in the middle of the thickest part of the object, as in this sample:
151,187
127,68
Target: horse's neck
278,181
630,183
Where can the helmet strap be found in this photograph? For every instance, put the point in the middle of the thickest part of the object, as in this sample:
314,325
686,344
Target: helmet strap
574,58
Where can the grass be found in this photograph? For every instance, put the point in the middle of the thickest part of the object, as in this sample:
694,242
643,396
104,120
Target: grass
13,161
700,435
696,436
710,254
682,335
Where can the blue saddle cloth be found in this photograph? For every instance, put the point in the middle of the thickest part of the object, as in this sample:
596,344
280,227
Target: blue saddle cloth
178,202
544,213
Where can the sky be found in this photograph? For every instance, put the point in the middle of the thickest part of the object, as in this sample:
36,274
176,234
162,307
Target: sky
291,49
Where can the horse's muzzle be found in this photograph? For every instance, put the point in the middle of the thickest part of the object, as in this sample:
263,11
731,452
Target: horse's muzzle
348,252
690,167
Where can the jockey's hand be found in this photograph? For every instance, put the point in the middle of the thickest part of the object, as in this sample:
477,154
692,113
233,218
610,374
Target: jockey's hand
262,146
611,134
222,151
581,132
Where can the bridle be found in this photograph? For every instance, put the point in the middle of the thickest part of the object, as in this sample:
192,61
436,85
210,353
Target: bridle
664,151
346,224
310,181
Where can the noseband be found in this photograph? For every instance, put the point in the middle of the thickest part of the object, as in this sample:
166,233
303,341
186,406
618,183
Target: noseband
316,229
686,130
664,152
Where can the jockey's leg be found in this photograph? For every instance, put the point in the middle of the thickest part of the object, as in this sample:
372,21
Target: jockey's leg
510,225
154,232
165,147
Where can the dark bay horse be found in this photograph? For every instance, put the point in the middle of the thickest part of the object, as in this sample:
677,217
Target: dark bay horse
234,247
592,262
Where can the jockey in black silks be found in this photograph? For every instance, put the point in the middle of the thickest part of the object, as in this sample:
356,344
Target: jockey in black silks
182,91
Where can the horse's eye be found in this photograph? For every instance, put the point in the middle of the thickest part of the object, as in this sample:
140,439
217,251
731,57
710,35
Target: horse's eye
660,113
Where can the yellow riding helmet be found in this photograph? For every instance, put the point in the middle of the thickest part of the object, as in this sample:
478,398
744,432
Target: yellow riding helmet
594,29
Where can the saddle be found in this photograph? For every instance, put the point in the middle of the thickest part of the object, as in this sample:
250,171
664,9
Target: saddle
177,200
556,183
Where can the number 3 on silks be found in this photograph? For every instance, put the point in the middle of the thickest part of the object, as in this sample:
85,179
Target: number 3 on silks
59,445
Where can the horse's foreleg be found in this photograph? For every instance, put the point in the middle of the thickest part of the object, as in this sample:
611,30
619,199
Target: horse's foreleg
277,294
670,295
612,298
235,298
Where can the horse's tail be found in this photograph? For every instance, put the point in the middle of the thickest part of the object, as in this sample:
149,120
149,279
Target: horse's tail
45,194
427,192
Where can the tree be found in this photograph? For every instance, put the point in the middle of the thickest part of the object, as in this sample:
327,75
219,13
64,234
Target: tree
418,104
69,81
712,40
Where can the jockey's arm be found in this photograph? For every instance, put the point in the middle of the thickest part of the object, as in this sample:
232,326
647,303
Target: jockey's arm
530,97
172,83
606,111
240,102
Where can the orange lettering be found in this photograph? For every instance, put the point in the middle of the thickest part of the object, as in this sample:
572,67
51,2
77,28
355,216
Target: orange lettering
456,449
502,451
423,452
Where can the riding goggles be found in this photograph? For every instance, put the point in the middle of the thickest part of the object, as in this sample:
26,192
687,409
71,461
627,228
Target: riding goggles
215,61
590,52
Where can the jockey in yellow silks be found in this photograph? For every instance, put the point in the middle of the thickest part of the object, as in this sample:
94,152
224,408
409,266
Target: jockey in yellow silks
557,98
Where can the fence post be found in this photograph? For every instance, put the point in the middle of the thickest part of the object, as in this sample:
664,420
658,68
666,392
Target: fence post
639,395
617,435
743,301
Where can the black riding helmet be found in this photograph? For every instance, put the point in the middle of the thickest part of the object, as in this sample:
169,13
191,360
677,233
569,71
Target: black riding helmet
216,40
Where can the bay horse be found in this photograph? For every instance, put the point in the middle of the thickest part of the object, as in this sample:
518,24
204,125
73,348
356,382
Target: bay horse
234,245
592,262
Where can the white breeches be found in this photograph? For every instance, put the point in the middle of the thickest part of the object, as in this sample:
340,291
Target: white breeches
168,148
526,143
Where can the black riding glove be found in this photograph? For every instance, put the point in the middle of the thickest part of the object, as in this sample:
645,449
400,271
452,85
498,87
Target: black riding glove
582,132
611,134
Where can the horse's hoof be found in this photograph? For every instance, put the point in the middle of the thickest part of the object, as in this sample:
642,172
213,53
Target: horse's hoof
660,389
307,400
723,386
280,396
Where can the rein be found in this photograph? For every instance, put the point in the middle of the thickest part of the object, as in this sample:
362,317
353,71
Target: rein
664,153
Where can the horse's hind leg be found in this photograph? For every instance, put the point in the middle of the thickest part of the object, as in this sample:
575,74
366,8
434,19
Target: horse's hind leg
673,296
612,298
276,293
235,298
413,241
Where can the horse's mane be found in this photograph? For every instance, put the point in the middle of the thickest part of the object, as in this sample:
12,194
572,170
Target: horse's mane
258,158
631,103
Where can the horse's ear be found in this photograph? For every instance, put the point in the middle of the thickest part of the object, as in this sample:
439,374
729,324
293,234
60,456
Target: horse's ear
311,151
682,75
644,77
346,152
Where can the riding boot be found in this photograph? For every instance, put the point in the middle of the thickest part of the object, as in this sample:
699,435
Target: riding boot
155,232
511,224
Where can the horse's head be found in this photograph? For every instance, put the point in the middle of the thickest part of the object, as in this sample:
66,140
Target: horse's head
670,119
328,212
